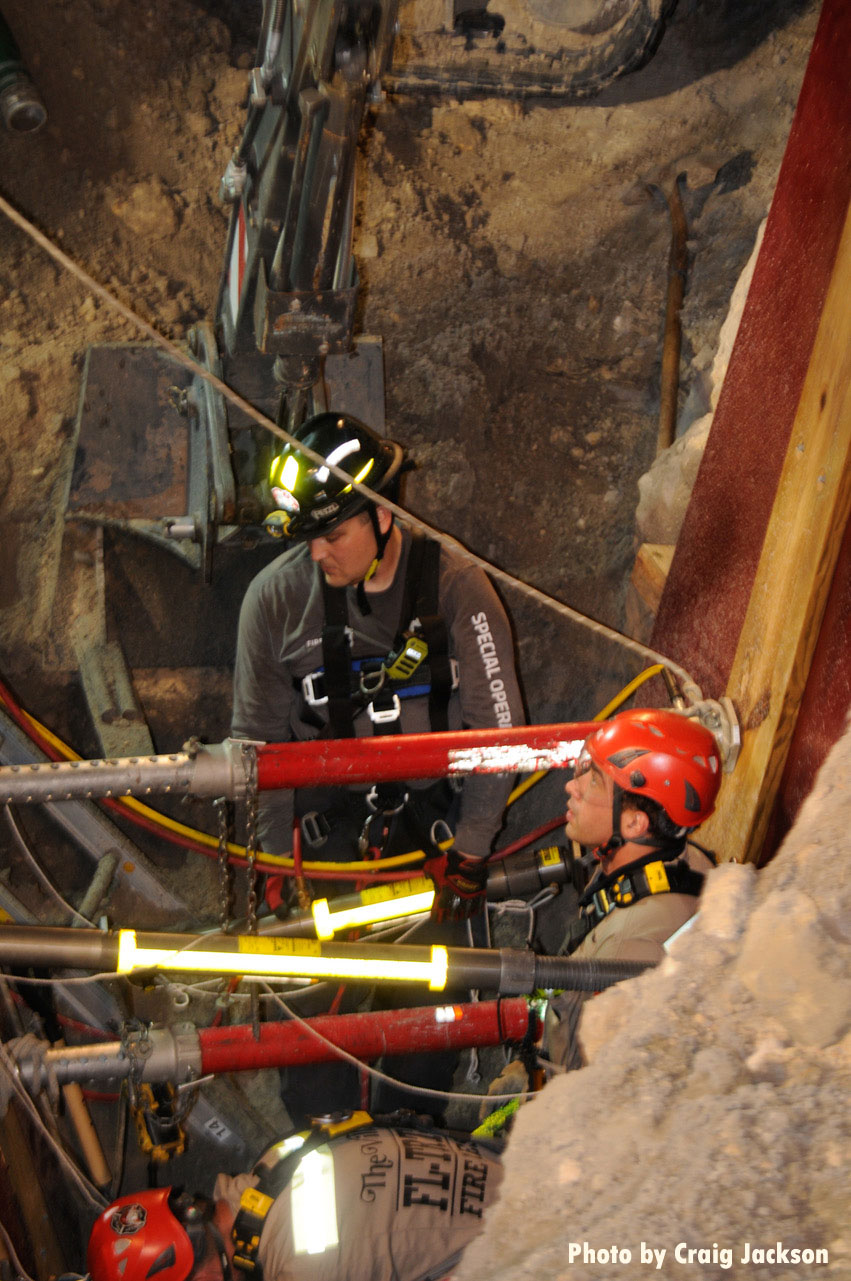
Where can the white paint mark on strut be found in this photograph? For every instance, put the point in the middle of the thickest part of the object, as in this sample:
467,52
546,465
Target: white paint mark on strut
514,758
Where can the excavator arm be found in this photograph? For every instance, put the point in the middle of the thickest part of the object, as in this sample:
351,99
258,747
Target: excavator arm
282,335
290,286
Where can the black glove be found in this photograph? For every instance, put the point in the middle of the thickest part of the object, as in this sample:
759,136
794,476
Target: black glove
460,884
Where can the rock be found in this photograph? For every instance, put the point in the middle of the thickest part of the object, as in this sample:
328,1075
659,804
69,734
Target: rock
726,901
457,127
730,327
366,246
148,210
788,963
665,490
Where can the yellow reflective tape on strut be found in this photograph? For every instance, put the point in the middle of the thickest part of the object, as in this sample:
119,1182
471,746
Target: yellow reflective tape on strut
396,889
381,903
288,958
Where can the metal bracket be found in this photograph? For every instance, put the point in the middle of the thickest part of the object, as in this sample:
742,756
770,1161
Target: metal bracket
719,717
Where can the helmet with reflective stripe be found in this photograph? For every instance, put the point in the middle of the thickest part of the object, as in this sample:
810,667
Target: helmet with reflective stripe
153,1234
310,499
663,755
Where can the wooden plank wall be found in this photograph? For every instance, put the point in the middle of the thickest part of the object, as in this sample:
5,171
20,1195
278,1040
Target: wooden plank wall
708,592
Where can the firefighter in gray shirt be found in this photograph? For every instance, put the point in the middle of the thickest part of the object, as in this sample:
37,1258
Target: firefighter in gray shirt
362,628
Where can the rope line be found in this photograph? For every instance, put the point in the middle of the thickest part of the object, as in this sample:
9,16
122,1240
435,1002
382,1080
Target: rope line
690,689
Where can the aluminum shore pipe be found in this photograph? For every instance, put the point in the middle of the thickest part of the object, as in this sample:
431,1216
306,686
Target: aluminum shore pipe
506,971
184,1055
224,769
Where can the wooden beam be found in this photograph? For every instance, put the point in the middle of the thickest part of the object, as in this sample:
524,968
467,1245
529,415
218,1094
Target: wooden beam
794,573
708,589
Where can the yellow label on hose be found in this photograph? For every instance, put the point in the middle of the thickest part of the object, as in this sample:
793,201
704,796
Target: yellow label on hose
551,855
396,889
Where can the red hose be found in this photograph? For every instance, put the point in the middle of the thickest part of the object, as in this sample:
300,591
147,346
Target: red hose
366,1036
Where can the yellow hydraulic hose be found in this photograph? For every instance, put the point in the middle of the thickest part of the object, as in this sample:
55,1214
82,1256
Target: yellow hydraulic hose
616,702
203,838
280,860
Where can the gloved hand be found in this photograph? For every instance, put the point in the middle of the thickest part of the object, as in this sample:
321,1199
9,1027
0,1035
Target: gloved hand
460,883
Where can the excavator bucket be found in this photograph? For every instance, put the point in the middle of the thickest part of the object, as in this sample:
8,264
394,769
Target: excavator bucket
568,49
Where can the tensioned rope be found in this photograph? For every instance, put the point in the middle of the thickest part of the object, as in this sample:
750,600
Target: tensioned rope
690,689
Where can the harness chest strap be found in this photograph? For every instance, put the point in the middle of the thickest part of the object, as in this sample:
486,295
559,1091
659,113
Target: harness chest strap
654,876
420,601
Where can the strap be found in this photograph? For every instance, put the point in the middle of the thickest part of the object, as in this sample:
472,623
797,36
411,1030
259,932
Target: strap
337,661
413,577
273,1176
419,600
641,880
647,876
313,688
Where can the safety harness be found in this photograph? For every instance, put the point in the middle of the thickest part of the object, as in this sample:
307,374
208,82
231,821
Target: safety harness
646,876
274,1172
418,664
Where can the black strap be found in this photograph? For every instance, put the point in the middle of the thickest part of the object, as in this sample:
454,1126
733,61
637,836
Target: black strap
419,600
626,886
413,577
337,661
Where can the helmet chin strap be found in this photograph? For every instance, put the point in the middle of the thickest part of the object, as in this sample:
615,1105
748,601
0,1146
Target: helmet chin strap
617,839
381,540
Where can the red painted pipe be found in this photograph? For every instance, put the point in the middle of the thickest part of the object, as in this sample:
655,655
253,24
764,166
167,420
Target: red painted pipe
525,749
366,1036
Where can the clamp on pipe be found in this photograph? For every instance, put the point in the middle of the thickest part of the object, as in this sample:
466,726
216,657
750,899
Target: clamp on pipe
719,717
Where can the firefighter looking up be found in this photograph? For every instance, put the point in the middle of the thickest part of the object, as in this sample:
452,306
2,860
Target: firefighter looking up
645,780
362,627
371,1203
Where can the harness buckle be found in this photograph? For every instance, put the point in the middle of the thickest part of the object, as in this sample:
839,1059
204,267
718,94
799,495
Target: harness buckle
603,903
315,829
385,715
375,802
310,689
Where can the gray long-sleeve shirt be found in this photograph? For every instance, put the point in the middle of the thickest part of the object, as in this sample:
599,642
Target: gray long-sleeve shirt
280,642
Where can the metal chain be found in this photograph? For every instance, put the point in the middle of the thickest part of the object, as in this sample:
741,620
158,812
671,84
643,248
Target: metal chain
249,757
225,869
136,1047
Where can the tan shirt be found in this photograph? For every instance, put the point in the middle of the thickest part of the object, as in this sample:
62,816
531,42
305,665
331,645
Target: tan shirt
634,933
638,932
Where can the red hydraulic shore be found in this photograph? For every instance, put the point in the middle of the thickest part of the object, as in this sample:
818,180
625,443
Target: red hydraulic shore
523,749
366,1036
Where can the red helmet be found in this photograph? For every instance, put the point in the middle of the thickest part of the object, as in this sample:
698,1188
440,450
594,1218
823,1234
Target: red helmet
143,1235
662,755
